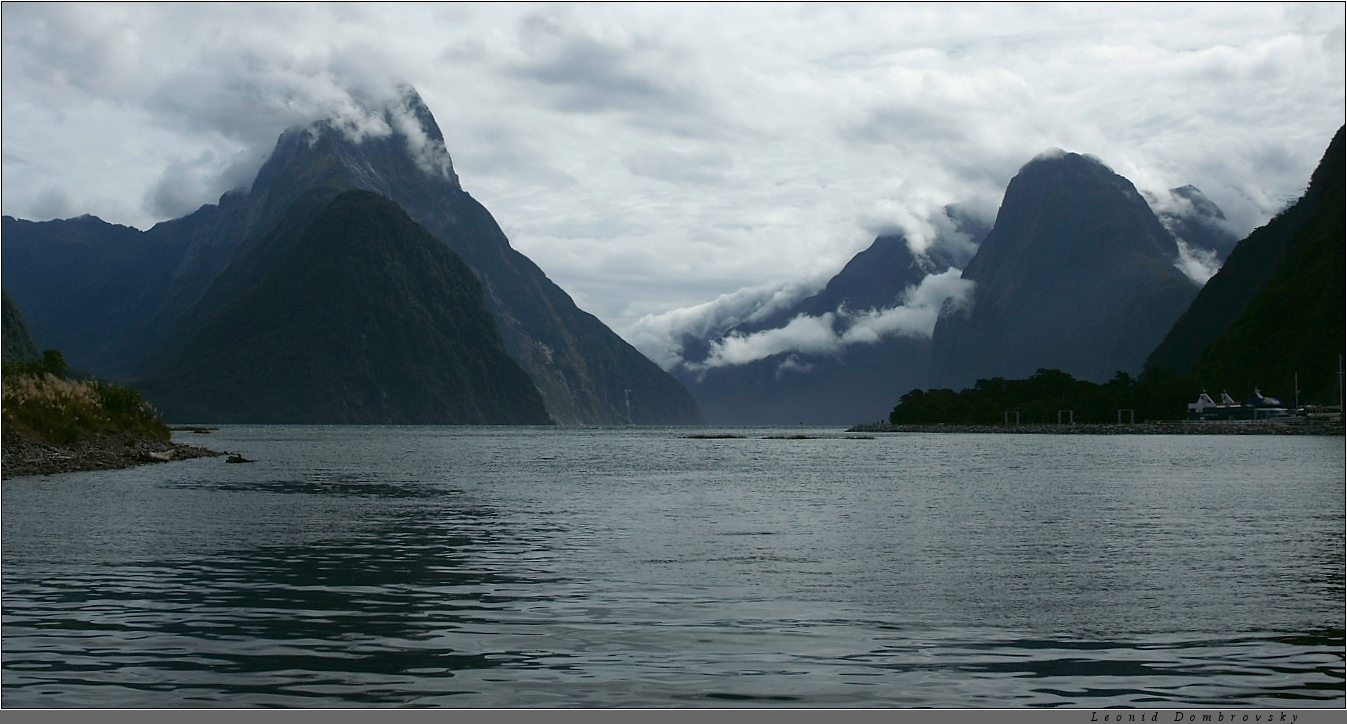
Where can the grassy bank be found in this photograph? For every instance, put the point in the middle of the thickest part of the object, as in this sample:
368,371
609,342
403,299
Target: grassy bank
56,424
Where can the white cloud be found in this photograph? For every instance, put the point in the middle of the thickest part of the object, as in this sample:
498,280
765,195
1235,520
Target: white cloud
916,316
1197,264
803,334
660,336
793,365
831,332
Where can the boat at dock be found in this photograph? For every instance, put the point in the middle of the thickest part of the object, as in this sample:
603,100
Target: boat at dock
1258,408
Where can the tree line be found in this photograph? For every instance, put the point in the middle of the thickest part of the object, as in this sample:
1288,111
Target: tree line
1157,395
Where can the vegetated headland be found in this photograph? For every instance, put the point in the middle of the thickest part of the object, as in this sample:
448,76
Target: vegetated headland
1052,402
1176,427
56,424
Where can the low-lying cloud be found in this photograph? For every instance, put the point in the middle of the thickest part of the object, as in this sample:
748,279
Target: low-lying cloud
1197,263
832,332
661,336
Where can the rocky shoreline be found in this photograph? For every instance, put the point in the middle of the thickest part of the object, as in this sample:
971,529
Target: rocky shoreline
24,457
1144,428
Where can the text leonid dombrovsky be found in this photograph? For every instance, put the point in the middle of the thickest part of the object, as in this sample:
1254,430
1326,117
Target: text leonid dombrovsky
1186,716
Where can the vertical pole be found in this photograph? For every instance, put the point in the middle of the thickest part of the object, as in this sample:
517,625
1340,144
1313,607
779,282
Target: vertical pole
1340,410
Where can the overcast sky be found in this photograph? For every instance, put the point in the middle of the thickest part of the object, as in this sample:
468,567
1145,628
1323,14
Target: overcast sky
655,157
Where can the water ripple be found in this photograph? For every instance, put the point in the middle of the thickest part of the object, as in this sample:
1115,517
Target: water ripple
603,568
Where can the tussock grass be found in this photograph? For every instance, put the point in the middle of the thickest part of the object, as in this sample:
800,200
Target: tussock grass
43,406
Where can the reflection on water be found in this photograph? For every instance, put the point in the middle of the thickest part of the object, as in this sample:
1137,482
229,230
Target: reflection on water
484,567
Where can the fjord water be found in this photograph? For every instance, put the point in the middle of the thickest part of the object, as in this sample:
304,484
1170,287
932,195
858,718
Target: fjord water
568,567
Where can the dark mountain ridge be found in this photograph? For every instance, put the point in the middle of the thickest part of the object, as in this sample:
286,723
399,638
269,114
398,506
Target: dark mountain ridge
1077,274
364,319
175,277
86,286
585,372
1275,309
876,278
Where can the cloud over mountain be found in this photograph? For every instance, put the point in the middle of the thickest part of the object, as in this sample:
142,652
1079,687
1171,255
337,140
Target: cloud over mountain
832,332
704,148
659,336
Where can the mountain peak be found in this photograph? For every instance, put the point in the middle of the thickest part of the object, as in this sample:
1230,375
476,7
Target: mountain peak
412,120
1077,274
1064,194
1057,155
1199,201
404,120
1198,224
411,105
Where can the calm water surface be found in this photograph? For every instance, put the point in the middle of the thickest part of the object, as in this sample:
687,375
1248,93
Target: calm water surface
495,567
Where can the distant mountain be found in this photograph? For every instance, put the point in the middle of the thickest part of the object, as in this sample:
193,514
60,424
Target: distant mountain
1077,275
859,385
87,287
166,283
858,379
1275,309
877,277
1197,221
17,341
364,319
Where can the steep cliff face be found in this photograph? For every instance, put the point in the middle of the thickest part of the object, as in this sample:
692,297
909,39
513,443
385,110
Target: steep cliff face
1077,274
585,372
176,276
365,318
1275,309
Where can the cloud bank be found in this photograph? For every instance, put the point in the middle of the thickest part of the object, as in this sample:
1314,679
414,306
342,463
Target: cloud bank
651,157
832,332
661,336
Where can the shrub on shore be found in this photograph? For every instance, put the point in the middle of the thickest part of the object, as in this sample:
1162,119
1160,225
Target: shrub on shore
41,403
